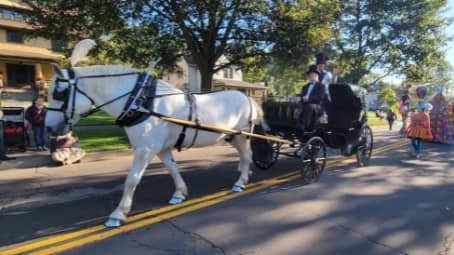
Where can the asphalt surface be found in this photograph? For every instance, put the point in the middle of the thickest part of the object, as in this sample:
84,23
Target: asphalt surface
398,205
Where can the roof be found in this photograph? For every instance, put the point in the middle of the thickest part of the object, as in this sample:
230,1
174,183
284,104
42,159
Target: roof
236,84
14,24
27,52
15,4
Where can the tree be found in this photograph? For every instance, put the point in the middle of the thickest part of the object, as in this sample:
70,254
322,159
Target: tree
387,94
203,29
391,36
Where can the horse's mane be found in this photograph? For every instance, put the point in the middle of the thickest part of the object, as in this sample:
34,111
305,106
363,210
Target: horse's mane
103,70
163,87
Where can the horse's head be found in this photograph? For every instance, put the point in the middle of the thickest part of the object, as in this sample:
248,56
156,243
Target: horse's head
67,101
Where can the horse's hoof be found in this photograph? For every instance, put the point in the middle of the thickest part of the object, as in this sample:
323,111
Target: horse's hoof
176,200
112,223
237,188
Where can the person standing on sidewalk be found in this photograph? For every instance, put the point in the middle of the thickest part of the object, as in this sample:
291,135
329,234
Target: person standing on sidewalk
391,117
36,114
2,140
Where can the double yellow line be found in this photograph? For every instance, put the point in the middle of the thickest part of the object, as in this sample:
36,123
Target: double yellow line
63,242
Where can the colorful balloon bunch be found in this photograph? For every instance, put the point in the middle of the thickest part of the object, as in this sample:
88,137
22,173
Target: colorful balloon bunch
421,91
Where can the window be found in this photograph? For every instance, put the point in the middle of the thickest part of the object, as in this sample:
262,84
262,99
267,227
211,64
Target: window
7,14
19,17
11,15
228,73
14,36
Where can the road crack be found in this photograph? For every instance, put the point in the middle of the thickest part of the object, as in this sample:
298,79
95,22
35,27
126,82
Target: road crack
150,247
196,236
368,238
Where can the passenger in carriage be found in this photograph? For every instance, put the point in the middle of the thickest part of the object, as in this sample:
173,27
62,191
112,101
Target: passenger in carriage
312,96
325,76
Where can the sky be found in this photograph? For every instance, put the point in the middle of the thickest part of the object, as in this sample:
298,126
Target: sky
450,32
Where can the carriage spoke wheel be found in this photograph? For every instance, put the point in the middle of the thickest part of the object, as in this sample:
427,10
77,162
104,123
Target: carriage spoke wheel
313,157
364,151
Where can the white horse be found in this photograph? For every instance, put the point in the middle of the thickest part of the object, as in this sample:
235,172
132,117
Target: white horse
154,137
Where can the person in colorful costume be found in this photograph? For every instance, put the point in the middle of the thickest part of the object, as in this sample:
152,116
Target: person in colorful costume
419,127
441,124
452,109
404,108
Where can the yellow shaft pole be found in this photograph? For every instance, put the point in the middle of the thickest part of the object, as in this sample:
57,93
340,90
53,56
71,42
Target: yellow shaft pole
224,130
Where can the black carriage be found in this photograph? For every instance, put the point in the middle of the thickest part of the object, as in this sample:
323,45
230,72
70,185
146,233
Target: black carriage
343,126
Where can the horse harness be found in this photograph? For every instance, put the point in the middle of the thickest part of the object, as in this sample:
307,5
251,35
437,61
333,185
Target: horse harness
137,109
68,95
140,106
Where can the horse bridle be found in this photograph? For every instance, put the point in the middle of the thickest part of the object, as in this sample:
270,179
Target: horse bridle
72,90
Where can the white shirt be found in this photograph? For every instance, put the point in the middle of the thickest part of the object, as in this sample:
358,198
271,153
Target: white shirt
309,90
327,79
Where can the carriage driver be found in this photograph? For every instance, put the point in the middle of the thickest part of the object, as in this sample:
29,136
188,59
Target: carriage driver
311,99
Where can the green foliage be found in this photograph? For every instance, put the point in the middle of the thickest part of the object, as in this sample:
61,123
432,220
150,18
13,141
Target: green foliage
72,20
204,30
267,38
387,94
254,70
395,36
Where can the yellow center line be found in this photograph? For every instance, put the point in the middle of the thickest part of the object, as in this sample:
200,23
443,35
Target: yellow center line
92,234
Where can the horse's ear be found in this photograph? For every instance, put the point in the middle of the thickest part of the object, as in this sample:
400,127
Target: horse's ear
57,71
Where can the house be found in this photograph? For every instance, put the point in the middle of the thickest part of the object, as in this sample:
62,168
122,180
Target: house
372,100
229,78
25,64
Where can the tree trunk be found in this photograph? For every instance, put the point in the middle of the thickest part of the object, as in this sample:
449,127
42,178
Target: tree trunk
206,76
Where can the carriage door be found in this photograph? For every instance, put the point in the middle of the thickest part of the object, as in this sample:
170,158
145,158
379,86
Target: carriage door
20,76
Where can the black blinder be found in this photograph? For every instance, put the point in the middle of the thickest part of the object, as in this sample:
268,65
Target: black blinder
60,95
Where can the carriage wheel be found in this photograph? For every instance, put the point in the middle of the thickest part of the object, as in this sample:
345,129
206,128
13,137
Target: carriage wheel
313,157
364,151
271,160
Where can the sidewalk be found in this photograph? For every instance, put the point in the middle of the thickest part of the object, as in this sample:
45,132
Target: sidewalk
32,158
40,159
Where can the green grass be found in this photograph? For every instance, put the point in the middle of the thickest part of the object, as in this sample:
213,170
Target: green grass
98,118
374,121
103,139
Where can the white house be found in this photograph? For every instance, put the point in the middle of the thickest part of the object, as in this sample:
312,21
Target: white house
229,78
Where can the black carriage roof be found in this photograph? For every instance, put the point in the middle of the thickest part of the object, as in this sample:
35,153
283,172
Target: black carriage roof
356,89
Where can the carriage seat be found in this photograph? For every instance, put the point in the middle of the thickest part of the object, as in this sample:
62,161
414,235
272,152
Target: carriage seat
344,110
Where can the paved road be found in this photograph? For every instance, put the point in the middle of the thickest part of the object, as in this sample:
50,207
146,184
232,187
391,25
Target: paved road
400,205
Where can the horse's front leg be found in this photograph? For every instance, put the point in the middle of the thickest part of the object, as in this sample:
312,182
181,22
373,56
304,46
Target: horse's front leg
142,157
242,144
181,190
